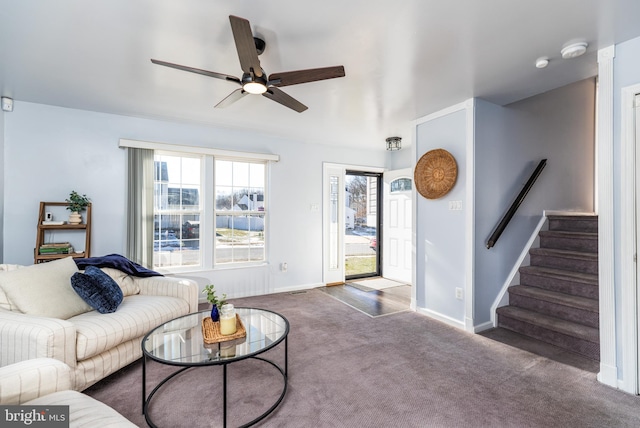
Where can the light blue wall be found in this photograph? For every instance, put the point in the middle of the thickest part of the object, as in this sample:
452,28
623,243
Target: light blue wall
51,150
402,158
509,143
626,73
440,233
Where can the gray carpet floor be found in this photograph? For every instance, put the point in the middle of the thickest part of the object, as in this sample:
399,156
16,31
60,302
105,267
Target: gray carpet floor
347,369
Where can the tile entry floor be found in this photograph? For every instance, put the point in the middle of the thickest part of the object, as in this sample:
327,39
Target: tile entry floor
374,303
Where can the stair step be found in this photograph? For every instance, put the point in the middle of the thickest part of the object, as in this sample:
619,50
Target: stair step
575,261
574,241
563,281
576,223
559,305
568,335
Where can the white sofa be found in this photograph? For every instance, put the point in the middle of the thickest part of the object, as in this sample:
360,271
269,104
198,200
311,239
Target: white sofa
92,344
48,382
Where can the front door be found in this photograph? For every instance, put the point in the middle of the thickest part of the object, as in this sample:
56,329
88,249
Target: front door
397,226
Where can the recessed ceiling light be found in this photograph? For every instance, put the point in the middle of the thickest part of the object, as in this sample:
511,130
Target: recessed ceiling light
573,50
542,62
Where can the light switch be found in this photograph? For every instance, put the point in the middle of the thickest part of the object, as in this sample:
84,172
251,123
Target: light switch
455,205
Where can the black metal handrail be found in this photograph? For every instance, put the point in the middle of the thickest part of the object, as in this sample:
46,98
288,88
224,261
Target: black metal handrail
514,206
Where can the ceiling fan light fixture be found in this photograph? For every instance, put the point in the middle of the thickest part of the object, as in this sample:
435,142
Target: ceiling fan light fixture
255,88
254,84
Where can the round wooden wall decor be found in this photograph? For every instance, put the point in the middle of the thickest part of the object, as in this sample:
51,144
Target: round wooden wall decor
435,174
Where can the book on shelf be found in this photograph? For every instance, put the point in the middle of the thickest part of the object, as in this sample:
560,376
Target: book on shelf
56,248
53,222
56,245
65,250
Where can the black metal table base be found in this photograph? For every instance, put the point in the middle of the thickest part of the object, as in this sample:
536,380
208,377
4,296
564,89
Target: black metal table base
146,401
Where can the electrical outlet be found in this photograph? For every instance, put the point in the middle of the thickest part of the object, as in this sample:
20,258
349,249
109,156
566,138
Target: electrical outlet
459,293
283,266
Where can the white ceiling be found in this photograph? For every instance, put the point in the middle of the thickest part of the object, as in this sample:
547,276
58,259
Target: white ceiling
404,59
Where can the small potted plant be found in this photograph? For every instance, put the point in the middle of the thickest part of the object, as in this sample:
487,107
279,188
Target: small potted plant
216,302
76,203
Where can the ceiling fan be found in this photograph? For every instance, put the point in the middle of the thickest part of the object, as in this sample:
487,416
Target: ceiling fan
254,80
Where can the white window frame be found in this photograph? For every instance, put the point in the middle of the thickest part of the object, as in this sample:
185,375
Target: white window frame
207,198
232,213
203,200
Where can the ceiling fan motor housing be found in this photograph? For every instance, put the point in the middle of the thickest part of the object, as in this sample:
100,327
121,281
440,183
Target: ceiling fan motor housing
260,45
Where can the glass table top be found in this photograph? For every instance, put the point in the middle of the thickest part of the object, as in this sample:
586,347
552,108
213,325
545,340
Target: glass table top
180,341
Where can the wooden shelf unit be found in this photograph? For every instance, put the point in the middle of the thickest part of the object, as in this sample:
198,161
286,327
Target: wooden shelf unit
44,228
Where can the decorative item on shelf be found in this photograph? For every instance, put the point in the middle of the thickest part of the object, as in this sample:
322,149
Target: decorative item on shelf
53,222
76,204
394,143
435,174
216,303
227,319
75,218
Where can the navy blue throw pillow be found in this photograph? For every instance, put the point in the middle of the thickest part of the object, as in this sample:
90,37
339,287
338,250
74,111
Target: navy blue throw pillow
98,289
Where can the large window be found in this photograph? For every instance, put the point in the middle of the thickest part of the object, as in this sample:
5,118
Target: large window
177,211
203,224
239,211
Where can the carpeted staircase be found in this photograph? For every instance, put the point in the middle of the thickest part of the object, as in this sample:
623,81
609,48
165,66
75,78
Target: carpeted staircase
557,299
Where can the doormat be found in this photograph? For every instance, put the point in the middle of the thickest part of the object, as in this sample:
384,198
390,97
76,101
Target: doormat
374,284
360,287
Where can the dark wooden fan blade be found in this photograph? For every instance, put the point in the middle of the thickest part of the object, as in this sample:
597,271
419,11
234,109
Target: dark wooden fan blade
278,96
232,98
245,45
304,76
198,71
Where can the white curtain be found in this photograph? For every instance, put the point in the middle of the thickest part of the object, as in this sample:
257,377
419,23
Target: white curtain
140,206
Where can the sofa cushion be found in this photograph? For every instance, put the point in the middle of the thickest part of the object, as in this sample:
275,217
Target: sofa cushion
97,289
124,280
84,411
44,289
4,300
136,316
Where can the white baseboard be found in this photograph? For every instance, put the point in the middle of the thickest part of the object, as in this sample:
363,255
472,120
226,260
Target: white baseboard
297,288
482,327
442,318
514,276
609,375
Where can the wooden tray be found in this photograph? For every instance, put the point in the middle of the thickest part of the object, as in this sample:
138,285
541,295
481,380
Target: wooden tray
211,331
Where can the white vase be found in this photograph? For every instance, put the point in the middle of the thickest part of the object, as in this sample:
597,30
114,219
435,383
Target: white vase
75,218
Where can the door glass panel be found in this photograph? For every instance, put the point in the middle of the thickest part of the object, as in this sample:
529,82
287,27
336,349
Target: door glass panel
334,209
361,225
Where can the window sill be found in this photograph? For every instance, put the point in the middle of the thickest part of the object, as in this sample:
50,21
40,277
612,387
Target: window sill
193,270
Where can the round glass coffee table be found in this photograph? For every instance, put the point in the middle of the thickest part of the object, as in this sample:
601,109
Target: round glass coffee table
180,342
